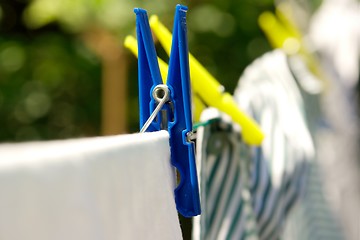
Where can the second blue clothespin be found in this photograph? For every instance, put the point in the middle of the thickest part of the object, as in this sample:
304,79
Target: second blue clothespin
169,106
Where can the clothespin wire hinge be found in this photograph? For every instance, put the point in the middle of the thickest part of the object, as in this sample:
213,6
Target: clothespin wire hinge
161,95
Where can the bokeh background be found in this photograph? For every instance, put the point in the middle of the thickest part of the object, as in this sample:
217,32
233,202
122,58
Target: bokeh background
65,73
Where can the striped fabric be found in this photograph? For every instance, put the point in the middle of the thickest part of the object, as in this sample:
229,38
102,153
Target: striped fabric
247,192
224,182
269,92
312,218
316,217
339,146
292,94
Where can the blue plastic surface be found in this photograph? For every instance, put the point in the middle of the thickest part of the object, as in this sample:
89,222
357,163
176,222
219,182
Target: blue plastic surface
180,123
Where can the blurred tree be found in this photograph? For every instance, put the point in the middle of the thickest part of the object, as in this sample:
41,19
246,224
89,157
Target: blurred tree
225,36
102,24
46,81
40,85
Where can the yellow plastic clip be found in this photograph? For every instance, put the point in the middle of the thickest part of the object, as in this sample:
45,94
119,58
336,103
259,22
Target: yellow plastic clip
131,43
282,33
285,14
278,35
204,85
210,90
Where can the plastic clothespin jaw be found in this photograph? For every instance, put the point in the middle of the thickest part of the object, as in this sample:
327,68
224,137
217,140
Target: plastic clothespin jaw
148,68
177,104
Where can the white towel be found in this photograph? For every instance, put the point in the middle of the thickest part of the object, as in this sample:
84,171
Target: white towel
118,187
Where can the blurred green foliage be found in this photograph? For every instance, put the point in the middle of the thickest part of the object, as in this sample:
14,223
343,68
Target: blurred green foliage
49,88
76,15
50,83
225,37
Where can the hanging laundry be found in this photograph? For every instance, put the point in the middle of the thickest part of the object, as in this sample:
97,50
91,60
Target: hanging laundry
268,91
338,146
247,192
339,49
317,217
223,164
118,187
313,217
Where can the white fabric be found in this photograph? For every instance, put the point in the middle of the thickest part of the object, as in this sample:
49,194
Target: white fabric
335,34
341,47
248,192
118,187
268,92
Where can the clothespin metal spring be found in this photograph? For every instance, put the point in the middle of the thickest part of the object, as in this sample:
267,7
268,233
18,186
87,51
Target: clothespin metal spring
161,94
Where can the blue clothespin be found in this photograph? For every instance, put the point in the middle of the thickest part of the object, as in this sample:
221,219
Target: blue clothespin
169,106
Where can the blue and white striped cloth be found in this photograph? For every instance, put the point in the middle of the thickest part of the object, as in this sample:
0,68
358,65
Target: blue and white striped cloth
223,168
247,192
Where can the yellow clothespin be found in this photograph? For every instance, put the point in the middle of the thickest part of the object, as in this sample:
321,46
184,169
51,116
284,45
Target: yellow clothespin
131,43
278,35
209,89
282,32
285,15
